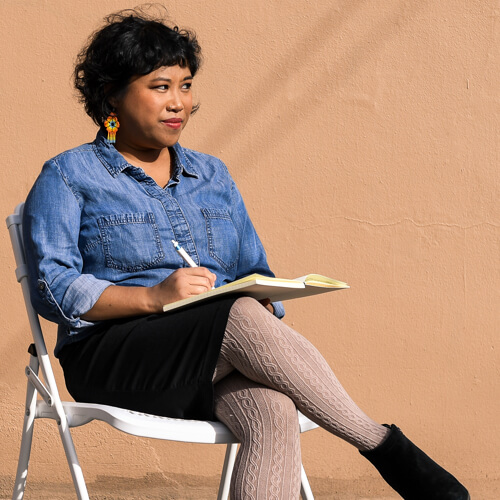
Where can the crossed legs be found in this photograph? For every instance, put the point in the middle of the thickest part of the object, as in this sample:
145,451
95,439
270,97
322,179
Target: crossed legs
266,370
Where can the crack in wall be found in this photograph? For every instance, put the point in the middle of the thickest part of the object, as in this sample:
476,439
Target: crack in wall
399,222
429,224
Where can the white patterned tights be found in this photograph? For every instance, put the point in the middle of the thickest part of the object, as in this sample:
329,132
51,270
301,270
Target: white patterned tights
265,371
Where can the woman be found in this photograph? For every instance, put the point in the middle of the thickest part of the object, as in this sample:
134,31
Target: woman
98,228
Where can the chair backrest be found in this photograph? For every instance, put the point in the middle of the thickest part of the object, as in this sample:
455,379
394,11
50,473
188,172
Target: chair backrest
15,227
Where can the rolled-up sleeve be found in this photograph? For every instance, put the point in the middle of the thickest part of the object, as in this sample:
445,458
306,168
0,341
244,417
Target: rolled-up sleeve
59,290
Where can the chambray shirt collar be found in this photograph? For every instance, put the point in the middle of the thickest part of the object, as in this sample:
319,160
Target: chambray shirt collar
182,165
115,163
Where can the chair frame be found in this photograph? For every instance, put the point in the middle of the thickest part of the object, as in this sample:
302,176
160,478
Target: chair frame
70,414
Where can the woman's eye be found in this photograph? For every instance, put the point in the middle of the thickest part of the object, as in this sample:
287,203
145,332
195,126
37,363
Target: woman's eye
187,86
162,87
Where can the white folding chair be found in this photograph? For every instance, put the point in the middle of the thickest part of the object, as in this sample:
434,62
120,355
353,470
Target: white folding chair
70,414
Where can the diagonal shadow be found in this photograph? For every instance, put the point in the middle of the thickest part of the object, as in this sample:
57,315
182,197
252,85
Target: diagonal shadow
346,66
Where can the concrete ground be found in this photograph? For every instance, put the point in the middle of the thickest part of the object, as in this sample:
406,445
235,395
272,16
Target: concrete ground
184,487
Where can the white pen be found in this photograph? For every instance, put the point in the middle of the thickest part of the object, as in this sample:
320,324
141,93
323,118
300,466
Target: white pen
184,254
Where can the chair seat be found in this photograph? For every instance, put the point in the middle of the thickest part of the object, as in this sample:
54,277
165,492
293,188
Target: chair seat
151,426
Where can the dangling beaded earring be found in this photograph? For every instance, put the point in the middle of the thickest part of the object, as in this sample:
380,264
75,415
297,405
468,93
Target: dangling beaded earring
112,125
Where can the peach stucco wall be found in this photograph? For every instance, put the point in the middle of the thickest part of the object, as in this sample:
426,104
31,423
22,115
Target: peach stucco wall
364,136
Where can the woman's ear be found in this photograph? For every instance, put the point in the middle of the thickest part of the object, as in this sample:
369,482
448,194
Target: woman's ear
113,101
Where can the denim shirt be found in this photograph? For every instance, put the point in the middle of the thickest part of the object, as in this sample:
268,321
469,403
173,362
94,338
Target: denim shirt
93,220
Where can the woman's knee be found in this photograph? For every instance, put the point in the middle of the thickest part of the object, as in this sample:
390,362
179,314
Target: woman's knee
285,408
249,402
274,410
247,305
248,313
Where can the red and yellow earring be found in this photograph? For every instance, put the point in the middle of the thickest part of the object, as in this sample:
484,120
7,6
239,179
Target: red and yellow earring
112,125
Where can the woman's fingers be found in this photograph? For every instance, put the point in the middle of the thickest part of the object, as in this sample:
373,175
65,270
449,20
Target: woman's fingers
197,276
186,282
181,284
199,284
197,289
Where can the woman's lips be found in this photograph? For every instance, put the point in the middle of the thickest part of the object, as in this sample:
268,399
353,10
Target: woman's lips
173,122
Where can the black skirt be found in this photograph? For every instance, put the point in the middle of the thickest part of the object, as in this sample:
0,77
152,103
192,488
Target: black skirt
161,364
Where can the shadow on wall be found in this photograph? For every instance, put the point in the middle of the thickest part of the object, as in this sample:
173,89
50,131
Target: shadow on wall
338,68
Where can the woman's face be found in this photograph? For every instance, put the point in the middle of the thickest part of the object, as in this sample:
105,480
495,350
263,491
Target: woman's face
154,109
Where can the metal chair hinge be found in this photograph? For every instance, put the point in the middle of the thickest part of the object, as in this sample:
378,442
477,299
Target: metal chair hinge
37,383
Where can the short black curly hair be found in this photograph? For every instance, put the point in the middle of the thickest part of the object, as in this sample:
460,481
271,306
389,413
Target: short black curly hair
131,43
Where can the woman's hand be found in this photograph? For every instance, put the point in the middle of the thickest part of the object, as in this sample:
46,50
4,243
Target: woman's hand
181,284
124,301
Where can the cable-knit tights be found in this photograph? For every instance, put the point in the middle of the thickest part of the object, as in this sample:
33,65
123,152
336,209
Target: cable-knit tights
278,371
266,423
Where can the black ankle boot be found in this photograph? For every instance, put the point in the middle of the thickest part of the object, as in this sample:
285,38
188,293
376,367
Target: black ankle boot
411,472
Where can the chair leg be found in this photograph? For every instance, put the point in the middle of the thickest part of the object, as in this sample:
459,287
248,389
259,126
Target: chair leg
305,489
71,457
227,471
27,437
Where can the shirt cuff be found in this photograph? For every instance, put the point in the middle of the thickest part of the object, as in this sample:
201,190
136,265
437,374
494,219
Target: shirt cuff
82,295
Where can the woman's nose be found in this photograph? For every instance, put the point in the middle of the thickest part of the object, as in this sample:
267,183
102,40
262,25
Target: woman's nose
175,103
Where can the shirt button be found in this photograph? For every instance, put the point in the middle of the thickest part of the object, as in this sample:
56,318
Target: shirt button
41,285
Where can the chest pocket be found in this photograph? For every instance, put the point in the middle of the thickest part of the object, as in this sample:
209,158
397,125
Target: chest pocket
131,242
223,240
